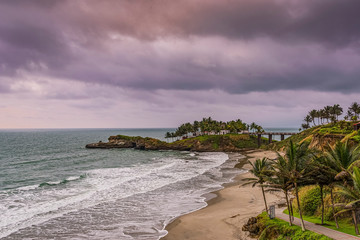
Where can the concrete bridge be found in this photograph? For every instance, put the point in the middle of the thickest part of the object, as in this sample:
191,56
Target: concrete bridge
271,134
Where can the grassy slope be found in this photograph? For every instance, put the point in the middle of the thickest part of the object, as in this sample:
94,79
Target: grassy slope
344,225
340,129
276,229
220,142
211,142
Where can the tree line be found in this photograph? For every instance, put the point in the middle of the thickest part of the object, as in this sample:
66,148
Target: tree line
330,114
335,169
207,125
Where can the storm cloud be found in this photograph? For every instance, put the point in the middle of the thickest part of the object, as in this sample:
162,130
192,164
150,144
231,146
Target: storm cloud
77,50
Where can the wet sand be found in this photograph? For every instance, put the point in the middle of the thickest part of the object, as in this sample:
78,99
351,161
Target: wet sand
225,214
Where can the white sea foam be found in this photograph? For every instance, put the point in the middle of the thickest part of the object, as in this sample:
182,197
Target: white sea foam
133,199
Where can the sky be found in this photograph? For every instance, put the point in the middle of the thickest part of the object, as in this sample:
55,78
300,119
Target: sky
159,63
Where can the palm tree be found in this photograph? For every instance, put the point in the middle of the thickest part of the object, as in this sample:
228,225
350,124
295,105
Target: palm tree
322,115
167,135
313,114
342,157
253,126
280,182
304,126
261,170
324,175
308,119
352,193
327,112
296,161
337,111
355,110
195,127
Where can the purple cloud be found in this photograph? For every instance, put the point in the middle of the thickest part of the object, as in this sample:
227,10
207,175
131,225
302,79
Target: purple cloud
76,51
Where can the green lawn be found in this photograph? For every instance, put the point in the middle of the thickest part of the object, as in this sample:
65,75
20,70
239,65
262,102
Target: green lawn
345,227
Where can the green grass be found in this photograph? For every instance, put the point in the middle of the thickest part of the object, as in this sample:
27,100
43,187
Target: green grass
345,227
276,229
340,129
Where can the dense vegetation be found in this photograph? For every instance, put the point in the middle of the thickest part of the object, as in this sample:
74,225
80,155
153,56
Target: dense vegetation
321,136
330,114
203,143
276,229
207,125
334,172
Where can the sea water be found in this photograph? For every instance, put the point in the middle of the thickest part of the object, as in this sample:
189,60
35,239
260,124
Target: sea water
52,187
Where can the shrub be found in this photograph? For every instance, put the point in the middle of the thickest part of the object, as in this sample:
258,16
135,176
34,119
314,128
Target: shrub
275,229
310,200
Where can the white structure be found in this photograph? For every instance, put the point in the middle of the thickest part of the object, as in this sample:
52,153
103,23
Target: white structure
223,132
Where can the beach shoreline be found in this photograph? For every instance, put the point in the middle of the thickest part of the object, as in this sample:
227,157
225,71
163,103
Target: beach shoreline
228,211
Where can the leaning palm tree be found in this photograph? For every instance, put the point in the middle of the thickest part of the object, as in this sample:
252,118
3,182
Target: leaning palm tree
353,194
280,182
261,170
296,161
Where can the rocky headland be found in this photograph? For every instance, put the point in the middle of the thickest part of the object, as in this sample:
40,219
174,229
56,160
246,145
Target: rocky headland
207,143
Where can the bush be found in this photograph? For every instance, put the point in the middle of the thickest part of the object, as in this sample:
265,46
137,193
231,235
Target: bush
310,200
275,229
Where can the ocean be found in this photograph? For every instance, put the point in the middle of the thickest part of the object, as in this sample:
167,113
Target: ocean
52,187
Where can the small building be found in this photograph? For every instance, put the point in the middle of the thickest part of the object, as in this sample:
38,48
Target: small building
357,126
223,132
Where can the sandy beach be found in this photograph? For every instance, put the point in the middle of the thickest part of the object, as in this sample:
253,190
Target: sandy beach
225,214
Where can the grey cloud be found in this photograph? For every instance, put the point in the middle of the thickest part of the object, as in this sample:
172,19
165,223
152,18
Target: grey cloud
73,40
30,35
328,22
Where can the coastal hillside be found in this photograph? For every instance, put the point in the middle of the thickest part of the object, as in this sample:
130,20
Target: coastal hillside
204,143
322,135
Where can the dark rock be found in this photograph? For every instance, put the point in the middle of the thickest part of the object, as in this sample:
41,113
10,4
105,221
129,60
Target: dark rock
252,227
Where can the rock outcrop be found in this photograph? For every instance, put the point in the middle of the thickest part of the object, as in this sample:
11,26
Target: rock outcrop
253,227
214,143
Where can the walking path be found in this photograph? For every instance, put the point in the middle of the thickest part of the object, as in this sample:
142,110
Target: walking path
336,235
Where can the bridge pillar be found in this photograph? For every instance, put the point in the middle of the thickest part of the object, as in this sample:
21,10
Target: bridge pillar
259,140
282,137
270,138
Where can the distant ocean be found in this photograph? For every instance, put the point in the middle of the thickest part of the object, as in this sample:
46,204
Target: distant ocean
52,187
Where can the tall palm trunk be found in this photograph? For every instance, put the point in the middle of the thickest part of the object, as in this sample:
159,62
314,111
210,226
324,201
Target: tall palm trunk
322,204
288,206
298,203
333,207
355,221
263,192
291,209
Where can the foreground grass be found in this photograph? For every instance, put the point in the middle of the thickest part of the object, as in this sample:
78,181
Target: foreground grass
276,229
344,226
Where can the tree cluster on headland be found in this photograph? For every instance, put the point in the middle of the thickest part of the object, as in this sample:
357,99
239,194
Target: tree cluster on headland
334,171
209,126
330,114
